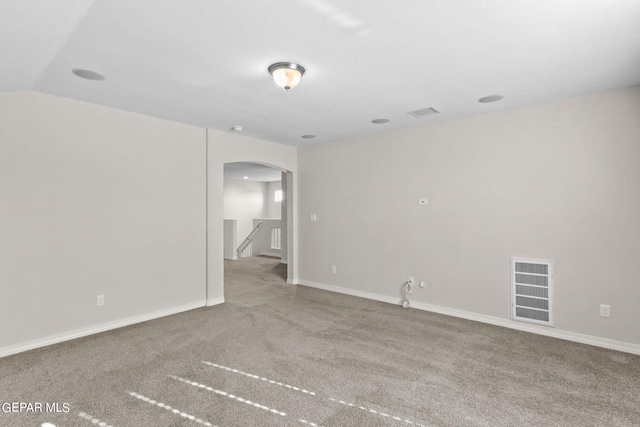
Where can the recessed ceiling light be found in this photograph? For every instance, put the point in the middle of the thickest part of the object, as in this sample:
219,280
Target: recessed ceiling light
380,121
245,177
236,129
308,136
490,98
87,74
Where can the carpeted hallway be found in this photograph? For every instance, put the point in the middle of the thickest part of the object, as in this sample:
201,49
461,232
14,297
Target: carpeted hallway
281,355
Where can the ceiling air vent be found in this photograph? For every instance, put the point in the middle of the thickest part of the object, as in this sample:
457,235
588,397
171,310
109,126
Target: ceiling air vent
532,291
423,112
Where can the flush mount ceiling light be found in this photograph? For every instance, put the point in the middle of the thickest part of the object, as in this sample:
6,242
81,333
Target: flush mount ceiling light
380,121
87,74
286,74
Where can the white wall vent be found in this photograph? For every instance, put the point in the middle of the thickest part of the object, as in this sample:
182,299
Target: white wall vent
532,291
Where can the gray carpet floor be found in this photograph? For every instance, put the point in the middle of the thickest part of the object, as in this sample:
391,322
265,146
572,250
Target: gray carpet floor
282,355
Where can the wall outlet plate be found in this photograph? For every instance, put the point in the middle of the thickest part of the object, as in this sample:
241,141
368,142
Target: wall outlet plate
605,310
100,300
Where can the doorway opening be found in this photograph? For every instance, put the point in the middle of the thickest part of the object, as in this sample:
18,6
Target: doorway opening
257,214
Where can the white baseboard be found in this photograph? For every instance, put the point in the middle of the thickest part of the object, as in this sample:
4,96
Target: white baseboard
352,292
497,321
271,254
215,301
78,333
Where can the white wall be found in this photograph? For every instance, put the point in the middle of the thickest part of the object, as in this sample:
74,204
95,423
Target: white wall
244,200
273,208
230,239
96,201
555,181
286,215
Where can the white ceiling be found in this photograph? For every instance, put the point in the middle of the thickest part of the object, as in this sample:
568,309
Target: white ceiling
204,62
252,172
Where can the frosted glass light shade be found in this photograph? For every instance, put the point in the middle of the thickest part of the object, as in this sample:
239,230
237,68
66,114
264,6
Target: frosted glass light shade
286,75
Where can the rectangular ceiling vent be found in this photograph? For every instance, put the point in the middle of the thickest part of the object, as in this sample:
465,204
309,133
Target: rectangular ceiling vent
423,112
532,291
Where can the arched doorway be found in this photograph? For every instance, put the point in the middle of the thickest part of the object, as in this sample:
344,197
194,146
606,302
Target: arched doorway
258,216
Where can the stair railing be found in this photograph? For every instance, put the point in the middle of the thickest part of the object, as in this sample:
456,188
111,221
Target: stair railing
249,238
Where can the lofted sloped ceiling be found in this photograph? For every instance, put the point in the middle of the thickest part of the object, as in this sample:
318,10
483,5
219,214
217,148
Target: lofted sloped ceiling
204,62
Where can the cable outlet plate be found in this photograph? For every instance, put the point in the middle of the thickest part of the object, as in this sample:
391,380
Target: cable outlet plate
605,310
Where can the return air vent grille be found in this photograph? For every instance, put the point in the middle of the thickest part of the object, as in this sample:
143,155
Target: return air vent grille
423,112
532,291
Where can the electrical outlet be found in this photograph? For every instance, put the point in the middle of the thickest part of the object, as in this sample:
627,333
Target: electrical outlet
333,269
605,310
100,300
422,283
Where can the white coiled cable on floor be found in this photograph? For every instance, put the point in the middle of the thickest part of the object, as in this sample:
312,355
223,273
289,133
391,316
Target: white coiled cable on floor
407,287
